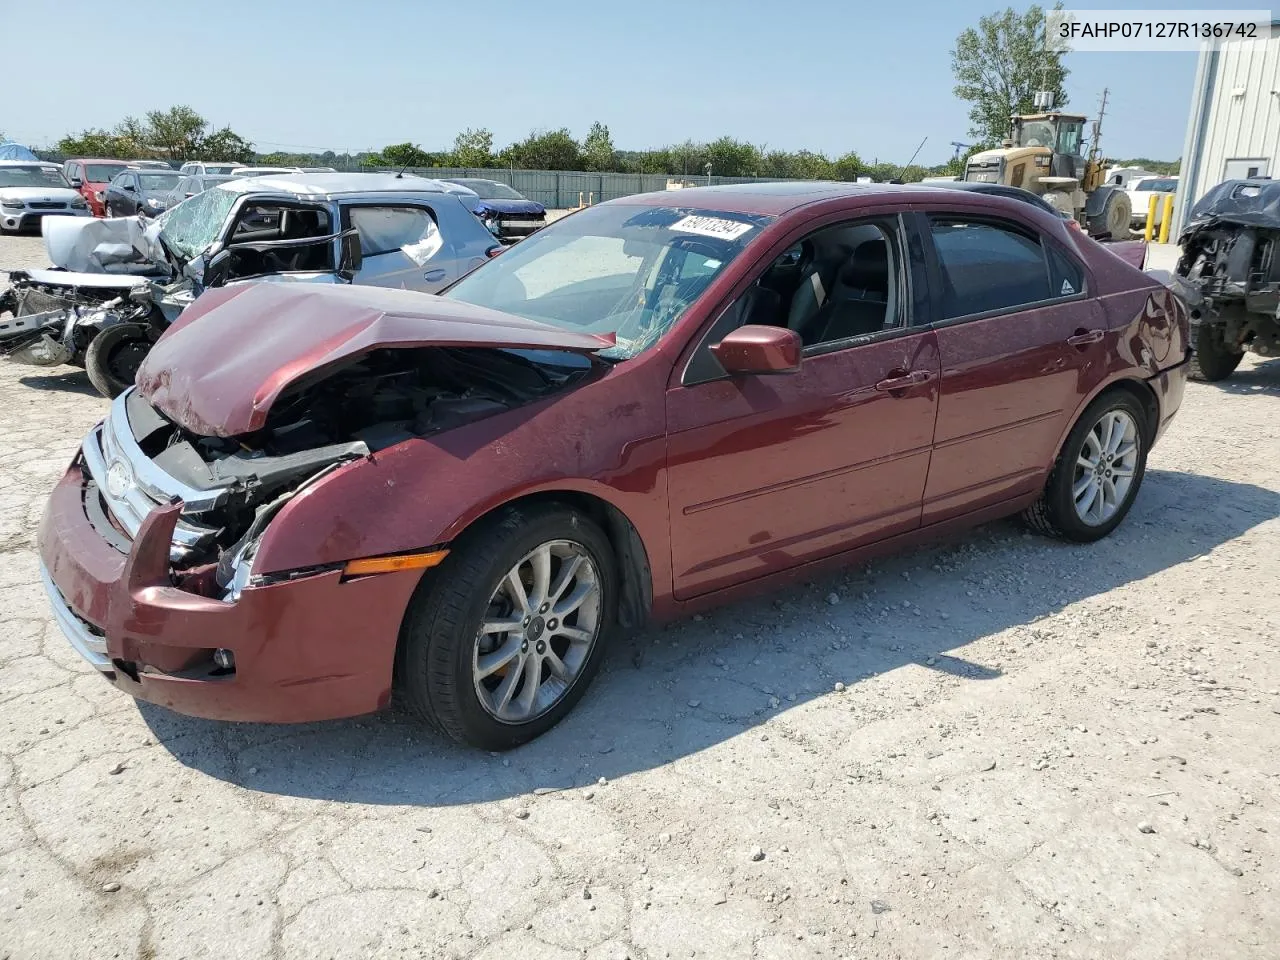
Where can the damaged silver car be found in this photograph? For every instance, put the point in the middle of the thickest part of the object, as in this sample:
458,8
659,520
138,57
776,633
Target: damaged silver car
119,283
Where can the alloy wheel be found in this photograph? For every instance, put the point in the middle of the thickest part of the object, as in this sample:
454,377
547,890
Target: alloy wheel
1105,467
542,621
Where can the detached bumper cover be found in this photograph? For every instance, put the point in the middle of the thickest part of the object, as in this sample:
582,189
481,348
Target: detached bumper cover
314,648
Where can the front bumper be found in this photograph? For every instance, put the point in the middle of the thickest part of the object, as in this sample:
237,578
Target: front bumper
13,219
314,648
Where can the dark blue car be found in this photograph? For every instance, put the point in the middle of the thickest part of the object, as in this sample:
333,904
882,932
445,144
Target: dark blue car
508,215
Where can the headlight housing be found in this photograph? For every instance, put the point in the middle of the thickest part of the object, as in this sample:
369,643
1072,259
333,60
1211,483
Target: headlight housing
80,203
13,203
97,195
153,203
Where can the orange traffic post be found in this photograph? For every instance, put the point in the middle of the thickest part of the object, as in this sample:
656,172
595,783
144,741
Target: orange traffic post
1167,218
1151,217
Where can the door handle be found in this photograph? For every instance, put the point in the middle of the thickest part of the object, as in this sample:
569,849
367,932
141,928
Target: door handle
431,276
1083,338
912,379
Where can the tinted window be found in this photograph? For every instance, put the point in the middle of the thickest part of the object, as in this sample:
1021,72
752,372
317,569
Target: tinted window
987,267
102,172
384,229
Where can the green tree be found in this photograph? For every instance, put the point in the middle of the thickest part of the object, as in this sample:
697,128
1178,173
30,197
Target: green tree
597,149
732,158
226,144
545,150
848,167
176,133
404,155
1000,64
473,148
95,143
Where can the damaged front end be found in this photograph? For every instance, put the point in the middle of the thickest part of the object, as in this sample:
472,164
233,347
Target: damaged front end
1229,272
56,315
231,488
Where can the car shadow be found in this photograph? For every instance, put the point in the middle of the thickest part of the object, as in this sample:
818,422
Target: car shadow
72,381
673,691
1260,377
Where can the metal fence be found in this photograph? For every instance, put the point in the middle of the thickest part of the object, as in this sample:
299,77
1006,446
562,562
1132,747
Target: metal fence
560,189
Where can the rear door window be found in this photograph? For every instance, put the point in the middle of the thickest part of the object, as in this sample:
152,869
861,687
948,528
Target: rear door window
383,229
987,267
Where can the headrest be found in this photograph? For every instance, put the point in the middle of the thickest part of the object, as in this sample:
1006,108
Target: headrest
868,268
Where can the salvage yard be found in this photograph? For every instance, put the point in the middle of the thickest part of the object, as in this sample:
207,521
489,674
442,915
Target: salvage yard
1000,746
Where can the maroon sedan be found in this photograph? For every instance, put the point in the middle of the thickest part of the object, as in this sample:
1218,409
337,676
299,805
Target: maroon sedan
652,406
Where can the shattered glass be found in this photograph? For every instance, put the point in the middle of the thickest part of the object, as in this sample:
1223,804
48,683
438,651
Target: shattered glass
190,227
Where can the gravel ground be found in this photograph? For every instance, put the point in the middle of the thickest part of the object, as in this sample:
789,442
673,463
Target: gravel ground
997,747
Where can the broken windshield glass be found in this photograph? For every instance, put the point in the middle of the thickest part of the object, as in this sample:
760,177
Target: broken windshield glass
190,227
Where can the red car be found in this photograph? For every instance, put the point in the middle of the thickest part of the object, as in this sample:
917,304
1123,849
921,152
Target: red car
657,404
91,178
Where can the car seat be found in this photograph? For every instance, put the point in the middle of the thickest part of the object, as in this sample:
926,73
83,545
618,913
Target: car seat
859,300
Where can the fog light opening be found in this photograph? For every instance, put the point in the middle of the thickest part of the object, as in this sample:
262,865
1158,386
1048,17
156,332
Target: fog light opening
224,659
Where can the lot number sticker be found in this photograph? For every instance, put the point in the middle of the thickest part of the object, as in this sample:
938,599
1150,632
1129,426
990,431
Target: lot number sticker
712,227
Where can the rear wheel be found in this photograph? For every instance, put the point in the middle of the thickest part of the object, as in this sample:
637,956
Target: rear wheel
503,638
1098,473
114,356
1114,219
1212,359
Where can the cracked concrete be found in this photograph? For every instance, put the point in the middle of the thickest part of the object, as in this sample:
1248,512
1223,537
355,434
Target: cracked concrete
1013,708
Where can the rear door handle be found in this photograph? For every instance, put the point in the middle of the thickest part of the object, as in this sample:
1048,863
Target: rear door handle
912,379
1083,338
431,276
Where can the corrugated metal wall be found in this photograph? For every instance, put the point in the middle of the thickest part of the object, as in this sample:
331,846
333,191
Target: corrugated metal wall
560,189
1235,116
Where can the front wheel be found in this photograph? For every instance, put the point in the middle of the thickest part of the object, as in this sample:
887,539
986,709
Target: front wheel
1097,475
114,356
503,638
1212,360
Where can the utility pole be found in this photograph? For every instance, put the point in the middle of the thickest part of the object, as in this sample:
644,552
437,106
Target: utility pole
1095,153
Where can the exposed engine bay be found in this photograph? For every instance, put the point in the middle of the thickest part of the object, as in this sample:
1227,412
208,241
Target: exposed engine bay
235,485
1229,274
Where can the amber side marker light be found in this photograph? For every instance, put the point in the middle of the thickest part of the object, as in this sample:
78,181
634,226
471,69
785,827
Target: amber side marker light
395,563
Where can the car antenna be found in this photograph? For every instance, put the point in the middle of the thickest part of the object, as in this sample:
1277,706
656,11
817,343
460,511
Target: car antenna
400,175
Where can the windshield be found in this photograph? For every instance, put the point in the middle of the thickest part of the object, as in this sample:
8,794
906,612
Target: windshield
489,190
159,181
617,268
190,227
209,182
1036,133
32,176
219,167
1162,186
102,172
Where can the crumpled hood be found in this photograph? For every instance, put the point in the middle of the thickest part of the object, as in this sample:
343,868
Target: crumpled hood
220,367
1132,252
114,245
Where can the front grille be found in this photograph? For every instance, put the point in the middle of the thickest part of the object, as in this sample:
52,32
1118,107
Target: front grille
131,485
46,205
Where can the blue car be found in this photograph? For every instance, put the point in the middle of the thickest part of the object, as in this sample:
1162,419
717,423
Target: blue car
508,215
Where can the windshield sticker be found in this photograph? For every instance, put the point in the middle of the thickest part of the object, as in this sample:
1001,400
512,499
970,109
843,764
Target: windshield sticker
712,227
1067,288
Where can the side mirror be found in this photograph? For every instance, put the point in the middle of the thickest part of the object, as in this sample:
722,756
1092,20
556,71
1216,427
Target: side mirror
755,349
75,182
127,187
217,270
350,255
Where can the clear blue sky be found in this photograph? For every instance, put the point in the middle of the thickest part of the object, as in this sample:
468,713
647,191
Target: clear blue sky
823,74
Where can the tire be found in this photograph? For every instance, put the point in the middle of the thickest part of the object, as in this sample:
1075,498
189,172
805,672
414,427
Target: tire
439,657
1057,513
113,357
1211,360
1114,220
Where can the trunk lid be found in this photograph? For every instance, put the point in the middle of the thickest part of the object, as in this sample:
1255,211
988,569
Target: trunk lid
225,361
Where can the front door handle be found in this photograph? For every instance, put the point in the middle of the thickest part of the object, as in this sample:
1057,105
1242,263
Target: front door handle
431,276
1083,338
912,379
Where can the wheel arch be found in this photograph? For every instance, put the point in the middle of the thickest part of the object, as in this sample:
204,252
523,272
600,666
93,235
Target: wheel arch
1136,387
635,573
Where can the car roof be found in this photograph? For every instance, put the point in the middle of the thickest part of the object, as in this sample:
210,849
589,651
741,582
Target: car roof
123,163
771,198
30,163
323,185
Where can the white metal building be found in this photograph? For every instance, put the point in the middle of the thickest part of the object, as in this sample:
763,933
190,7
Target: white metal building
1234,127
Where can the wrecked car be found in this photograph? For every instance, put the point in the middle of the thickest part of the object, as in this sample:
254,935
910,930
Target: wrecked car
653,405
508,214
119,283
1229,275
